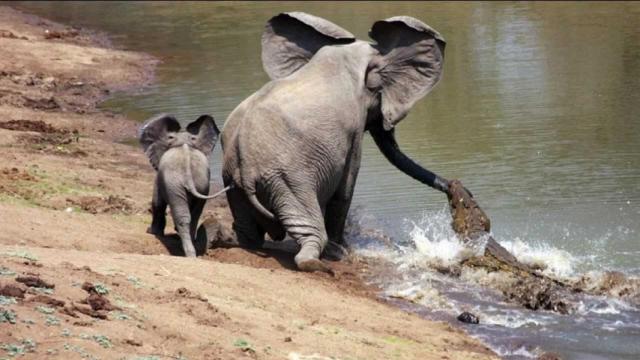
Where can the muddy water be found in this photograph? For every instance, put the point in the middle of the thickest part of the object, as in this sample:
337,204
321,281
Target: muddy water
537,112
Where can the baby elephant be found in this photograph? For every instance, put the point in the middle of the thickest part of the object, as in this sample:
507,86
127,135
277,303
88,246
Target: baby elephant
181,159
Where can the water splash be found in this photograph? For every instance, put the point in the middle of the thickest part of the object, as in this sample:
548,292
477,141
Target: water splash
540,255
415,258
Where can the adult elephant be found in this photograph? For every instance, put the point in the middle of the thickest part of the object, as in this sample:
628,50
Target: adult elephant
292,149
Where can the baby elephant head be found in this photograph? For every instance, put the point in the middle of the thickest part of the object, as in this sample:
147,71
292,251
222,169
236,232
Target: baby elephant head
162,132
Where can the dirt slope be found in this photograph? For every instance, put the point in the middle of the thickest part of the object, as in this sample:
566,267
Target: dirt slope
74,205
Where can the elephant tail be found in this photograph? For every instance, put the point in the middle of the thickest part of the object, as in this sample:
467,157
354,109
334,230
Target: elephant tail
191,186
253,199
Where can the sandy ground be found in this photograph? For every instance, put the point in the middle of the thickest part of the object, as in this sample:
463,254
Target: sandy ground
74,206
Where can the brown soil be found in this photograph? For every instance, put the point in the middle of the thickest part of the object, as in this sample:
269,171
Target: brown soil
29,125
74,208
100,205
34,281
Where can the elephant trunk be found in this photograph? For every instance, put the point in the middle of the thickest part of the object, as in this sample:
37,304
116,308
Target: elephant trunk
389,147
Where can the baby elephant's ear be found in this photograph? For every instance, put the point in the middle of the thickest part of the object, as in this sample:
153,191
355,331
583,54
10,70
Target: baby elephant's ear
154,136
291,39
206,132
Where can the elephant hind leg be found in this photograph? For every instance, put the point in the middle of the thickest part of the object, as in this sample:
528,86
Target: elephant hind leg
158,211
303,221
249,234
182,219
196,207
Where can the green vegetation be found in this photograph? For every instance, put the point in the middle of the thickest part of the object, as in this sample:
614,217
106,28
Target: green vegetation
22,255
137,283
244,345
80,350
46,291
121,316
52,321
5,271
45,309
103,341
25,346
7,300
7,315
101,288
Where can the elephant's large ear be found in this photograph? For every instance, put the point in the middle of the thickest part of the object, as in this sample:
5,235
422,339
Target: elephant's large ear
206,132
408,67
291,39
154,136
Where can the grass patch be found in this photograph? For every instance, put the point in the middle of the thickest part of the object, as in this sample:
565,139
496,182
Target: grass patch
40,187
137,283
244,345
25,346
7,315
21,254
104,341
397,340
46,291
52,321
121,316
5,271
80,350
7,300
101,288
45,309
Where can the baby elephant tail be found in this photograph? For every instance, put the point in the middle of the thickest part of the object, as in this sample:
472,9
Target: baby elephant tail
191,186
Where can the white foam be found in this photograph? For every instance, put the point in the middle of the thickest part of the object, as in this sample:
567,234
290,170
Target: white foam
510,321
434,240
554,261
521,351
604,306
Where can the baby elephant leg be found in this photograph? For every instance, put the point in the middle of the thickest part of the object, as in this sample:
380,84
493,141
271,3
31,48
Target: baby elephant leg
197,205
158,211
182,220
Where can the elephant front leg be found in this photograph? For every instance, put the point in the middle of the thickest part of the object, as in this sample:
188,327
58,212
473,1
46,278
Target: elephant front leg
338,206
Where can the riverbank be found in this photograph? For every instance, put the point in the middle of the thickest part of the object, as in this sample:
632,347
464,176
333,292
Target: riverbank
74,200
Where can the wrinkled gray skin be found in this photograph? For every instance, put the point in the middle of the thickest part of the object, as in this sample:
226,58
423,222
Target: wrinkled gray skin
292,149
181,158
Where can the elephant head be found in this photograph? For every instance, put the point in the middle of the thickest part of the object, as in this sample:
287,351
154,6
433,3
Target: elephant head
162,132
403,65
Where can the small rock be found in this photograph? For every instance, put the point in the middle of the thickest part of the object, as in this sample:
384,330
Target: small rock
12,291
133,342
288,339
469,318
44,299
34,281
549,356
